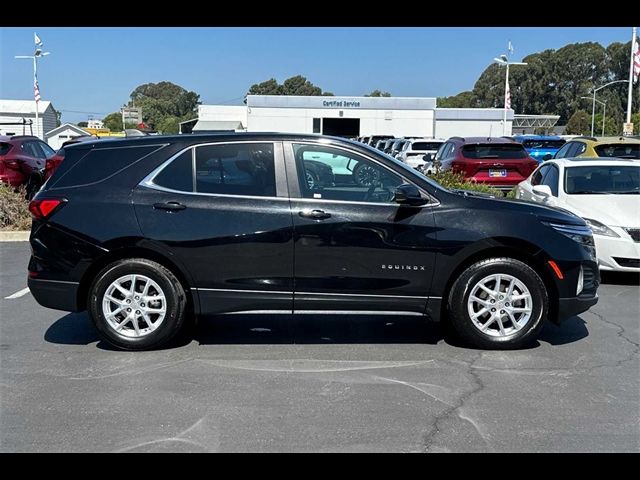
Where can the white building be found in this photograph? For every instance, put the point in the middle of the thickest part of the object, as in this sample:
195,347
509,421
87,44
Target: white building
56,137
18,117
95,124
353,116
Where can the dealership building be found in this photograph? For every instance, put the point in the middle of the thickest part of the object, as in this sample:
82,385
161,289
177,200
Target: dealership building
351,117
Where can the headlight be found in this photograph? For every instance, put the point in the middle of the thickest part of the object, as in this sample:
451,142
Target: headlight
577,233
600,228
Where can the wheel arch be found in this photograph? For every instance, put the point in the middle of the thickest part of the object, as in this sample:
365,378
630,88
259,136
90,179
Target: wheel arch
101,262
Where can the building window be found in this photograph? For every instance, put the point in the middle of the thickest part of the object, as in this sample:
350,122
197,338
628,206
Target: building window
316,125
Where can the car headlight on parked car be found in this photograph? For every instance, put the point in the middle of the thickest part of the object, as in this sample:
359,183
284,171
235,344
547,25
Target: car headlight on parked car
577,233
600,228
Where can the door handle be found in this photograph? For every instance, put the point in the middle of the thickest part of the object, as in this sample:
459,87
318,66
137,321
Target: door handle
169,206
314,214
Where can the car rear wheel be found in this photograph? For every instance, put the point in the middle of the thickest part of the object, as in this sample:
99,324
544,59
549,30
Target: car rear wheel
498,303
137,304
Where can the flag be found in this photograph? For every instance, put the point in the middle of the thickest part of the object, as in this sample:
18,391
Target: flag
37,39
507,98
636,63
36,90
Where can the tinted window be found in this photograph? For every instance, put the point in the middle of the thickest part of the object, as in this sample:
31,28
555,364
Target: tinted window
562,153
332,174
426,146
46,149
536,178
4,148
543,144
579,149
619,150
551,180
490,150
99,164
29,149
236,169
316,125
178,175
602,179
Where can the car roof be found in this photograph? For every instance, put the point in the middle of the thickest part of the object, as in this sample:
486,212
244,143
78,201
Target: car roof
427,139
601,140
478,140
537,137
593,161
10,138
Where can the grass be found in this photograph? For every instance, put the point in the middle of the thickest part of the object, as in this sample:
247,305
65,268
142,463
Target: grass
14,211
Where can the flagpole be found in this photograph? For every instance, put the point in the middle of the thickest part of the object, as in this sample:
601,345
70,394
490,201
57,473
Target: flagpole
633,51
506,91
35,80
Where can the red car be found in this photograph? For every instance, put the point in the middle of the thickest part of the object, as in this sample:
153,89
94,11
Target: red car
497,161
22,161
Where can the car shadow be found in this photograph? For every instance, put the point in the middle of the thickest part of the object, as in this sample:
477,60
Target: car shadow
619,278
266,329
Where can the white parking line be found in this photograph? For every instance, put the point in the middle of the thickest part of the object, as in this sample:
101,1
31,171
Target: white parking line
18,294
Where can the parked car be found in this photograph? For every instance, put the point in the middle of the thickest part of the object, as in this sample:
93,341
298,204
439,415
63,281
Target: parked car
380,144
620,147
419,152
540,147
373,140
499,162
22,162
141,232
388,144
605,192
396,147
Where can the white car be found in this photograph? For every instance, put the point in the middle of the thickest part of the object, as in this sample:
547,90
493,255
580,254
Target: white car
605,192
413,152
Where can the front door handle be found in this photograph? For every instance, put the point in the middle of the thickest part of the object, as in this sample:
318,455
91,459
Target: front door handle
169,206
315,214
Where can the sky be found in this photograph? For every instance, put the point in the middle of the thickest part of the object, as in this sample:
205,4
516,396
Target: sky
92,71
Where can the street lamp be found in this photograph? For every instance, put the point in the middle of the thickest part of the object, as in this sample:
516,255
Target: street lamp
36,55
604,111
593,108
503,60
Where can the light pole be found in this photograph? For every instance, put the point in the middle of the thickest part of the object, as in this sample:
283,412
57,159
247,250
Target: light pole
504,61
593,107
604,111
37,54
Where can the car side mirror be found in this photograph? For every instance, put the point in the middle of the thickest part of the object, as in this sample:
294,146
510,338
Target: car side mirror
428,157
548,156
542,190
407,194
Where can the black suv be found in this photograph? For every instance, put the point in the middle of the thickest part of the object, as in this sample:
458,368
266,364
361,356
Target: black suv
143,232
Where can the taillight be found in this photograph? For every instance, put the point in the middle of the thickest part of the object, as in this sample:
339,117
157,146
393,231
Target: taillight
41,209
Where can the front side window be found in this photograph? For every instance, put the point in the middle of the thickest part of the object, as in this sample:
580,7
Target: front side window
332,174
236,169
46,150
551,179
536,178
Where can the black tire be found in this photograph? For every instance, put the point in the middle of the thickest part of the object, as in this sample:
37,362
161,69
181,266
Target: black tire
176,302
459,294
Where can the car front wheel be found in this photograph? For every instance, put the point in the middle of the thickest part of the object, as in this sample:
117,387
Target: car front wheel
137,304
498,303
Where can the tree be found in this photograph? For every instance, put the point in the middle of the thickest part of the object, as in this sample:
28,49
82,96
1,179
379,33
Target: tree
113,121
162,101
461,100
579,123
378,93
297,85
82,124
58,116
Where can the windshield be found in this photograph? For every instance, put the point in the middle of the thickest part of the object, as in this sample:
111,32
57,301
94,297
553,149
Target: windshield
619,150
543,144
426,145
492,150
602,180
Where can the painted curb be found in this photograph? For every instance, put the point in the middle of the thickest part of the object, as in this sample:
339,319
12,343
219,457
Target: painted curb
19,236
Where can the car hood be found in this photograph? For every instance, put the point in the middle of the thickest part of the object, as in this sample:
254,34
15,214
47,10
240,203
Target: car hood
612,210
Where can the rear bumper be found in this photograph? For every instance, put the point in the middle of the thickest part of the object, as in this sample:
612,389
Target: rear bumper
55,294
568,307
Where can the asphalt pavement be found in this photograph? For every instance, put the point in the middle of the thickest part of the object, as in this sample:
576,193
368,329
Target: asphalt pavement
315,384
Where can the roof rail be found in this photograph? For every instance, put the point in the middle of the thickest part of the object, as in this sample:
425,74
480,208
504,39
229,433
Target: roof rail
586,137
457,138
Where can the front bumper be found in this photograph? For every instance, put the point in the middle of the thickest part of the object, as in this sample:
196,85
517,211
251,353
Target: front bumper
609,247
568,307
55,294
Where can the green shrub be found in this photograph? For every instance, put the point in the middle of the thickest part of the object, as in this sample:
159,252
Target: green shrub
449,179
14,211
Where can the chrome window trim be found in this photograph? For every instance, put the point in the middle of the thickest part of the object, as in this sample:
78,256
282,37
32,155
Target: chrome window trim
148,180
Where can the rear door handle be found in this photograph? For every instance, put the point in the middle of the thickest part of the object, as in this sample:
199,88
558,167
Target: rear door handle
169,206
314,214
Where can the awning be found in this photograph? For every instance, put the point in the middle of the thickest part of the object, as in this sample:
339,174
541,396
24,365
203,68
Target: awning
217,126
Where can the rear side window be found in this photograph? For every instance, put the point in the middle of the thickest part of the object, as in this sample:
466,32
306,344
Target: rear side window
489,151
4,148
178,175
236,169
100,164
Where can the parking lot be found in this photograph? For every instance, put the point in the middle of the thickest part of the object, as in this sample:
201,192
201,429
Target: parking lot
308,383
